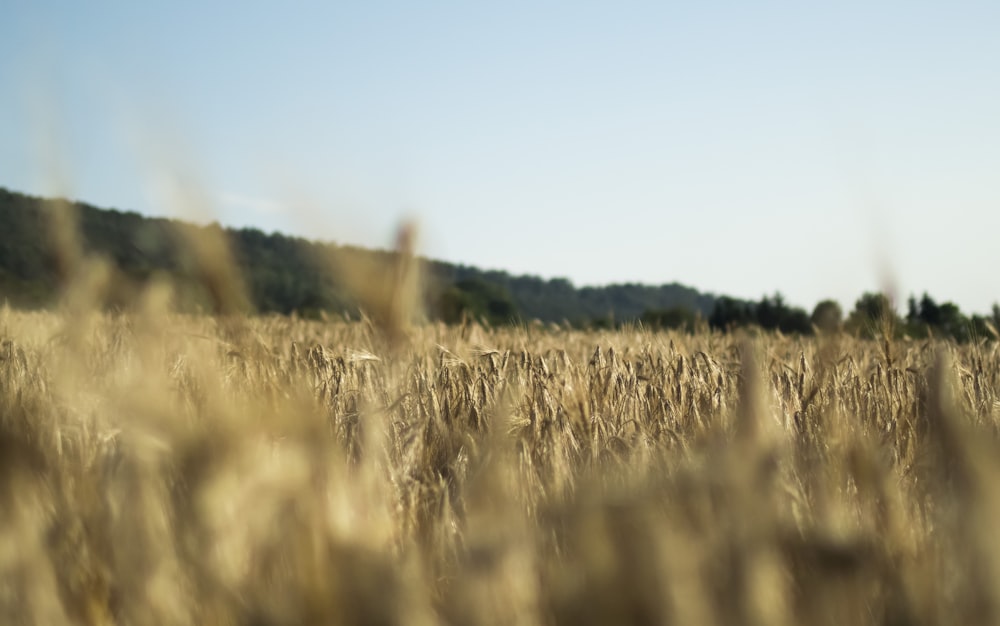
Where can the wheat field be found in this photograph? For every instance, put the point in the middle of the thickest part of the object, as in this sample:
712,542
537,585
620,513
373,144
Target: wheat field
157,468
163,468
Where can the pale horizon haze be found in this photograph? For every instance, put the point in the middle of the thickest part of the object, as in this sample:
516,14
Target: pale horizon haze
818,150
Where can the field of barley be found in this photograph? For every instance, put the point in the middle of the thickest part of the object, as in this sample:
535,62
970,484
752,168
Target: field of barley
165,469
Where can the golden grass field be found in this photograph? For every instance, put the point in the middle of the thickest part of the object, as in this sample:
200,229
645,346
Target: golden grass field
167,469
158,468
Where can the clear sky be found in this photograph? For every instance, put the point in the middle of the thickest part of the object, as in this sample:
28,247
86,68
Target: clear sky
817,149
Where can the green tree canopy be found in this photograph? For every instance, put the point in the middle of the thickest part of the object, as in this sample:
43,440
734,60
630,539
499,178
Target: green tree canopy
873,315
827,316
676,318
477,299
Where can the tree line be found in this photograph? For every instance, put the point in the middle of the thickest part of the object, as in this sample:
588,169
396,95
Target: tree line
873,315
283,274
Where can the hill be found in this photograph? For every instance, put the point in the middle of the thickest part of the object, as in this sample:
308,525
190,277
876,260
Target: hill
285,274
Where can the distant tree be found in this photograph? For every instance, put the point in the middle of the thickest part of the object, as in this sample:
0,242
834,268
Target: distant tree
985,326
773,313
476,299
873,315
953,323
769,312
929,312
795,320
873,306
827,316
927,317
912,310
676,318
601,322
729,313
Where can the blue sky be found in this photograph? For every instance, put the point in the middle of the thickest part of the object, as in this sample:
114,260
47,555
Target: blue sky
738,147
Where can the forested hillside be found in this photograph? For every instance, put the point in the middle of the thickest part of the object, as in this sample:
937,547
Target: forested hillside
285,274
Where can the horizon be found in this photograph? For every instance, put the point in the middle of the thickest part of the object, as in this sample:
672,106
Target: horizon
819,153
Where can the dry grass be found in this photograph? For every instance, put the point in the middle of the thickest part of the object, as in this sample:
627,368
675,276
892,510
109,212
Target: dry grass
161,469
